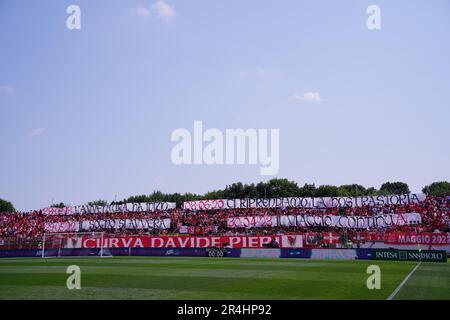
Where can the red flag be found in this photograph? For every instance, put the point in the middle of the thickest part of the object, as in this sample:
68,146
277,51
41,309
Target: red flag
330,238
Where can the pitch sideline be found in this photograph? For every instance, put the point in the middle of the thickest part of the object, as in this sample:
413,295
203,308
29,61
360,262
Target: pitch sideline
403,282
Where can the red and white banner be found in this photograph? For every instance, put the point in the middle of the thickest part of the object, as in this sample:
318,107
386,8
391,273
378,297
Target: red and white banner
58,211
124,207
290,241
426,238
118,224
111,208
252,222
53,227
362,222
91,225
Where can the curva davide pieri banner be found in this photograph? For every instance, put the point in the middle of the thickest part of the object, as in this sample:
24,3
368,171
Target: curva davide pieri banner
282,241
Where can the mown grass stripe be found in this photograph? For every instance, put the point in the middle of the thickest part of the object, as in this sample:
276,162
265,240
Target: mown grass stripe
393,294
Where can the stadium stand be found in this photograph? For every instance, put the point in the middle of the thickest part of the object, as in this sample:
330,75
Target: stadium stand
24,227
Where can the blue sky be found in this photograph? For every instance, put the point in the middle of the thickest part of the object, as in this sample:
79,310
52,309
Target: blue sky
87,114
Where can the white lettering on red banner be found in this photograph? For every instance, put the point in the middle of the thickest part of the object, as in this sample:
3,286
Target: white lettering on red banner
426,238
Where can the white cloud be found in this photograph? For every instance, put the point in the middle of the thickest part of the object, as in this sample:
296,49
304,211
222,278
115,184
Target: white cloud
38,131
307,96
7,89
164,10
141,12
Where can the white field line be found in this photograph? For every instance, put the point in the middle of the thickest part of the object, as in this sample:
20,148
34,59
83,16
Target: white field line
403,282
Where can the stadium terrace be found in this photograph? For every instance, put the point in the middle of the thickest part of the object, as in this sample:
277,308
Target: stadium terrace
401,221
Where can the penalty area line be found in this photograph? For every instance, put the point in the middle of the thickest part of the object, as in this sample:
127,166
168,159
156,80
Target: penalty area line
403,282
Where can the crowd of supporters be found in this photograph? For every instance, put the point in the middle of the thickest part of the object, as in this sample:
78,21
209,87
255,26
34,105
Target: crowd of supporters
434,213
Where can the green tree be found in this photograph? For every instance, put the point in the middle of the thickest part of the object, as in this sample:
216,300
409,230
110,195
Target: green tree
137,198
178,198
327,191
101,203
250,191
235,190
394,188
437,189
282,188
371,191
353,190
58,205
6,206
216,194
308,190
261,189
158,196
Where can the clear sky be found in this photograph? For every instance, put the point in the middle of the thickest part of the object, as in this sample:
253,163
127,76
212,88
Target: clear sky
87,114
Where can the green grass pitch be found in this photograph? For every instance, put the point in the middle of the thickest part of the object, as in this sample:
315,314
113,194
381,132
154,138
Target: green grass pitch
217,278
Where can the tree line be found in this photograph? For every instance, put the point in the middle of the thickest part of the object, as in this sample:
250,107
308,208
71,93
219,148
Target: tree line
277,188
274,188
